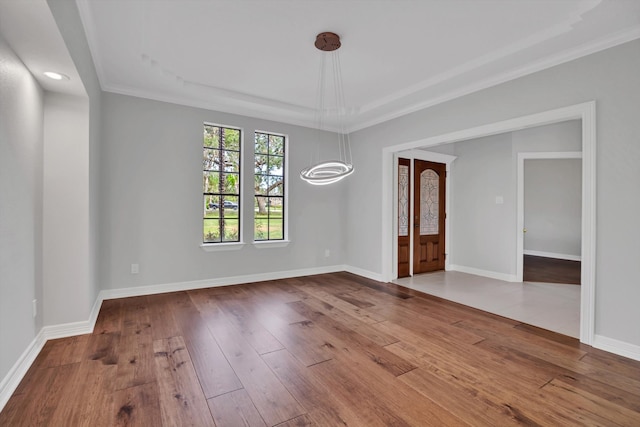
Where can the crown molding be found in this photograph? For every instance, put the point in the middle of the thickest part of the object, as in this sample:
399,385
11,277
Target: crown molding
613,40
423,95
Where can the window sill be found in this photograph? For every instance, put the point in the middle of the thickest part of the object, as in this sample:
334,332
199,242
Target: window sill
271,244
217,247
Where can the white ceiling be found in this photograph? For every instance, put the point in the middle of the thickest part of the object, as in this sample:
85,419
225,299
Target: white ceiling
256,57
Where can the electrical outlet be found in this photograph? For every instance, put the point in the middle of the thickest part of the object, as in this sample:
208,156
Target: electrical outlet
327,253
135,268
34,307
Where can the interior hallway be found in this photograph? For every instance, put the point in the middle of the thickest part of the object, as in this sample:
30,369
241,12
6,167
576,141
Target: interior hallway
551,306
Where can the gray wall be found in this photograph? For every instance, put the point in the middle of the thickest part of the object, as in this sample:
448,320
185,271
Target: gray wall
553,206
611,79
21,142
483,232
152,198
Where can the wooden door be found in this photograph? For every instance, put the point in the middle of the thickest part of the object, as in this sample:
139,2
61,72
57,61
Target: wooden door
404,200
429,214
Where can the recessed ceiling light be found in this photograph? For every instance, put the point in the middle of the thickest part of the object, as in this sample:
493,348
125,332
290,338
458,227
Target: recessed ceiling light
56,76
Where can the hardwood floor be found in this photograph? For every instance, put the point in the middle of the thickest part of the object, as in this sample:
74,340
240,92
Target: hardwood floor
550,270
326,350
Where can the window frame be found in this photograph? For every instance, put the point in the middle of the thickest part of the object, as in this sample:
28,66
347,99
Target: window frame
227,245
284,241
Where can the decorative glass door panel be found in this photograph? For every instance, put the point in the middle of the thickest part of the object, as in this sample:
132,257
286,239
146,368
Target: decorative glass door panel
404,229
403,200
429,203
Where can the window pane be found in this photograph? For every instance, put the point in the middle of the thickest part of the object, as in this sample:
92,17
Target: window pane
211,136
210,182
231,161
211,232
262,164
275,165
231,231
262,184
211,206
276,220
261,143
230,206
276,145
231,139
275,185
231,183
210,160
260,228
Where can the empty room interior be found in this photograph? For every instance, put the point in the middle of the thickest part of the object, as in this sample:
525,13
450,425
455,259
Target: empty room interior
286,213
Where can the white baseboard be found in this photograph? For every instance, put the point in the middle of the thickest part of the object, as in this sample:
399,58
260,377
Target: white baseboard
484,273
364,273
11,381
620,348
553,255
212,283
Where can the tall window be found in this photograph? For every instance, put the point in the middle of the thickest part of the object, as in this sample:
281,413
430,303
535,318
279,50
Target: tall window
269,186
221,184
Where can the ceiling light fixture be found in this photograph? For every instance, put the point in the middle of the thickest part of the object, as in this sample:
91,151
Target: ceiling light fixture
331,171
56,76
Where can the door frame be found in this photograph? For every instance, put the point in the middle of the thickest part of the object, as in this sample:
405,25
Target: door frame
520,198
586,112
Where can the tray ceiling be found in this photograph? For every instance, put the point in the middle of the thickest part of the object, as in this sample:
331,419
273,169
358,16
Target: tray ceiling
257,58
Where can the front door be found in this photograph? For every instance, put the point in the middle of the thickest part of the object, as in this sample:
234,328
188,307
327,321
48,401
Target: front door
429,215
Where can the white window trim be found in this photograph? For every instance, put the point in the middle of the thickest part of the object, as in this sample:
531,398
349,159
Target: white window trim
264,244
218,247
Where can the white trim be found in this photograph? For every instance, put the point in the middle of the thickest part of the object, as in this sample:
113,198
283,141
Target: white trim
428,156
217,247
522,156
264,244
585,112
484,273
427,101
211,283
364,273
632,351
11,381
588,249
552,255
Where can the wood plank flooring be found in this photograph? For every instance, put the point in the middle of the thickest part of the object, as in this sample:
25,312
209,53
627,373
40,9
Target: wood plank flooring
327,350
551,270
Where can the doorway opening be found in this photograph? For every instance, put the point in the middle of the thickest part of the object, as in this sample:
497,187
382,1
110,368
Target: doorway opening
549,217
586,114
